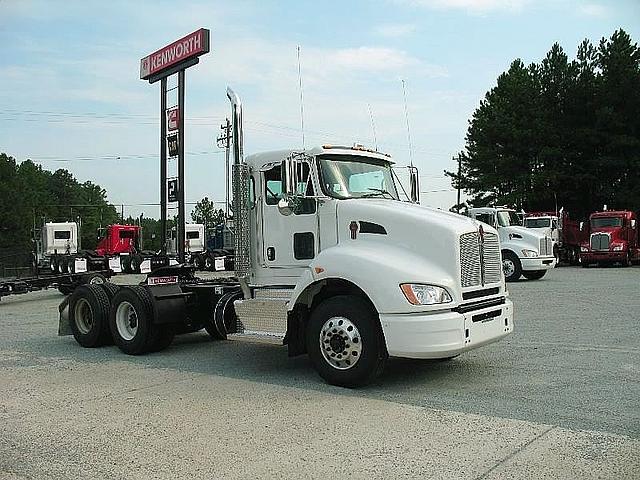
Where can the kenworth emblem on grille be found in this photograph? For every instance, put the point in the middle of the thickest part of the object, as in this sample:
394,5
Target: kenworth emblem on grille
481,248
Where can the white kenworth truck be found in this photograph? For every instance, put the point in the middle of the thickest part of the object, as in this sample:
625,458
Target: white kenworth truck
328,261
524,251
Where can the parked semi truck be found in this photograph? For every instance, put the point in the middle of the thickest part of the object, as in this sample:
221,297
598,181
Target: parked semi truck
119,248
613,238
124,242
329,262
57,249
563,231
205,250
524,251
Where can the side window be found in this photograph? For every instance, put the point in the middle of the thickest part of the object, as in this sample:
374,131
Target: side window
273,188
485,218
273,185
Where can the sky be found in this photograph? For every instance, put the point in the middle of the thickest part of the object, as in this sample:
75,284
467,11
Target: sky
71,96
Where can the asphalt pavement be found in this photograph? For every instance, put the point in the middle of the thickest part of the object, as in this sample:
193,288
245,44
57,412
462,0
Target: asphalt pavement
557,399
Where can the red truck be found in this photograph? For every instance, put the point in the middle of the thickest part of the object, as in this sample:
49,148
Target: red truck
565,233
125,241
613,238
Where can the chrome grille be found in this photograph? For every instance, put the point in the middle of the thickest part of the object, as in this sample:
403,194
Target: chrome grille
600,241
478,259
546,247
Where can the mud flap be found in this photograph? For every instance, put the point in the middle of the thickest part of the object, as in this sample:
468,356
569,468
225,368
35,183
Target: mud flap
64,325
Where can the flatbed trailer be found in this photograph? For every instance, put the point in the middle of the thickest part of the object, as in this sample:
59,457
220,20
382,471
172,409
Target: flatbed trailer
64,282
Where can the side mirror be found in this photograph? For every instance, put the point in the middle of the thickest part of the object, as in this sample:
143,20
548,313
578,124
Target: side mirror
414,181
289,176
582,226
285,206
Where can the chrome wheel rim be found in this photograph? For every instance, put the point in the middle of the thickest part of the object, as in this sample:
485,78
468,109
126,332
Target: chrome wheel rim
508,267
83,315
96,280
126,321
340,343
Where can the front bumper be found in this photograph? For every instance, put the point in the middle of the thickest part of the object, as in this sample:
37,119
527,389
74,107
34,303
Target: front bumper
607,256
442,335
538,263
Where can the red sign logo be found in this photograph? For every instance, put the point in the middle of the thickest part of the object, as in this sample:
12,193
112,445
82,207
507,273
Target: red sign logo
172,119
190,46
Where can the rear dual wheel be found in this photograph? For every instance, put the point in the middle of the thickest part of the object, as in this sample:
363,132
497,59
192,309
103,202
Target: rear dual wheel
89,316
131,323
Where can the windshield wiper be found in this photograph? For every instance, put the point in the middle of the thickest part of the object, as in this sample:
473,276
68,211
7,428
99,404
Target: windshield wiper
376,192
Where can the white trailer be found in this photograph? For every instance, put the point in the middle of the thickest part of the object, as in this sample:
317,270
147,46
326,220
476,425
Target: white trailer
330,262
524,251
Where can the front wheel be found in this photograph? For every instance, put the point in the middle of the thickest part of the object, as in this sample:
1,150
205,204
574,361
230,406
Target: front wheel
534,275
345,341
511,266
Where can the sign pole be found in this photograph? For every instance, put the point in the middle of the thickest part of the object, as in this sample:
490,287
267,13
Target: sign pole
163,165
181,210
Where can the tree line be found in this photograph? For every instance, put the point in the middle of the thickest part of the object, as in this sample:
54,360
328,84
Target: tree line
559,133
31,196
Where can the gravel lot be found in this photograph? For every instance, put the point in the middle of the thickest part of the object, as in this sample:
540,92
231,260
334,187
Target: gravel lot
558,398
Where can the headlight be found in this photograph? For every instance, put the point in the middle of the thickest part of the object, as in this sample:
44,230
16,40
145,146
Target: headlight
529,253
618,248
584,249
425,294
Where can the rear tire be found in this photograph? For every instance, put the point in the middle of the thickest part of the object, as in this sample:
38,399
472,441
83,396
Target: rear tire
511,266
125,262
131,321
223,319
534,275
345,342
89,316
110,289
198,261
136,261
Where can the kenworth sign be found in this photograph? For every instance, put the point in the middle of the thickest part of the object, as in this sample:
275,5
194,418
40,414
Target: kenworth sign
187,48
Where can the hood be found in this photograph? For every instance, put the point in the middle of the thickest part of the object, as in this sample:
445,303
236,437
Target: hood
433,236
516,232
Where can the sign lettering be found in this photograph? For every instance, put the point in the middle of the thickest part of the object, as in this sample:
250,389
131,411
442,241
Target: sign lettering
188,47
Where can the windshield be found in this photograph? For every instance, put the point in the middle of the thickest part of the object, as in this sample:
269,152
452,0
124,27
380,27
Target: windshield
507,218
342,176
606,222
537,222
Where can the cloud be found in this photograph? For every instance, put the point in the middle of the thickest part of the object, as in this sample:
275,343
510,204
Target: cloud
473,6
393,30
593,10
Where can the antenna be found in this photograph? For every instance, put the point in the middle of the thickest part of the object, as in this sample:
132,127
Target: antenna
373,127
301,98
406,116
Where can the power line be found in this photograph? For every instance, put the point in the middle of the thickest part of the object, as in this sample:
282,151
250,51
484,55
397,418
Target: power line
114,118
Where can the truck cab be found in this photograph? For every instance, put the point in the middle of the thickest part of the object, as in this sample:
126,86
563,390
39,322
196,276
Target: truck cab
524,251
548,224
613,238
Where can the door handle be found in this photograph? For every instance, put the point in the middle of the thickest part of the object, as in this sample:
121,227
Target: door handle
271,253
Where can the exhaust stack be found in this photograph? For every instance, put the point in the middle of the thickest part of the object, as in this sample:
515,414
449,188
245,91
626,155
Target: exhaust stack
240,197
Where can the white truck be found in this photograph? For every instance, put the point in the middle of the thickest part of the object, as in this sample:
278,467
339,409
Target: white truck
524,251
328,261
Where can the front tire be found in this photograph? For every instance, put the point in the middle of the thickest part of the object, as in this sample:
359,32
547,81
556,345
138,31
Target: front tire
345,341
534,275
511,266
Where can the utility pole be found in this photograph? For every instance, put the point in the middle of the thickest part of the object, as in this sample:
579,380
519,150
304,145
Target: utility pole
459,158
224,141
